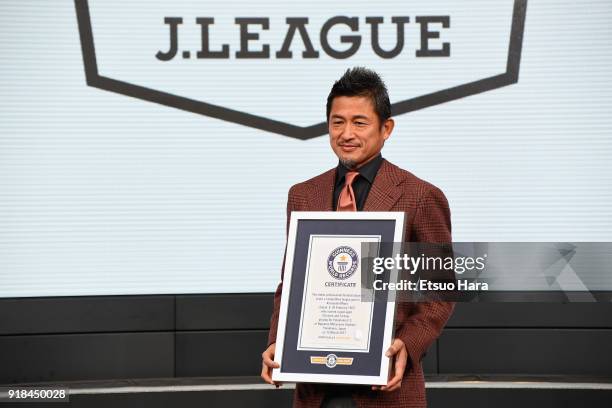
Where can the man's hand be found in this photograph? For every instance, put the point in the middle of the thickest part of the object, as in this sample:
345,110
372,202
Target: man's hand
268,364
399,356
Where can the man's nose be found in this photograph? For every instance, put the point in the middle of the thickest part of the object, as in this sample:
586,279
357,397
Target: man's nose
347,132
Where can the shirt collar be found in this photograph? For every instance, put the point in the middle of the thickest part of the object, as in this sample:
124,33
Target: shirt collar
367,171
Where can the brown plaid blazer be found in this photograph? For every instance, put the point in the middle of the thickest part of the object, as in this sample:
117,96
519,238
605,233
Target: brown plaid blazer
417,324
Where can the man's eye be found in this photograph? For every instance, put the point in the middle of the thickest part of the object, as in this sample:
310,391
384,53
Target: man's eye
360,123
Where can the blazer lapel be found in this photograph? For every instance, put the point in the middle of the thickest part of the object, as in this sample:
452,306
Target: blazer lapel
323,192
384,192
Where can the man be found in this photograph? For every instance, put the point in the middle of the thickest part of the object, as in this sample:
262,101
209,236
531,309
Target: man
359,122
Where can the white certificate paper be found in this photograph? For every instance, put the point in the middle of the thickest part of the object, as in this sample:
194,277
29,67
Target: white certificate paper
333,315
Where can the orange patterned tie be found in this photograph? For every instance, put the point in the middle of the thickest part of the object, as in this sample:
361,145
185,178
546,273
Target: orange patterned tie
346,200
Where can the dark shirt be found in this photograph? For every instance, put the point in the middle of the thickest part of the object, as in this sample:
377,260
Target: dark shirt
361,184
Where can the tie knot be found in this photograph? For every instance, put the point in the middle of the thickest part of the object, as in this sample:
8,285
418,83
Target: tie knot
350,177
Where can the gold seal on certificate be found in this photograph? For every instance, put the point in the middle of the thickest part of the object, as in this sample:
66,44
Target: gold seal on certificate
328,331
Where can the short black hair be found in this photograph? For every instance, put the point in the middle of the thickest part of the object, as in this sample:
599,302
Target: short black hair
360,81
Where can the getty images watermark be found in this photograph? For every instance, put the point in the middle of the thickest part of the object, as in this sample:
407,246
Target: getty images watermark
424,263
487,271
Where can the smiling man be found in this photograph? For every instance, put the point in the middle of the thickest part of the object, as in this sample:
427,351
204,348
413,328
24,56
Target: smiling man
359,122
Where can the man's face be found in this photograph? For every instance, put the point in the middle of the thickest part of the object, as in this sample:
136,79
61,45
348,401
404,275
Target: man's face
355,132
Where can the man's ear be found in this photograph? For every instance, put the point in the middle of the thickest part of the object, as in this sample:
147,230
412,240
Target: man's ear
387,128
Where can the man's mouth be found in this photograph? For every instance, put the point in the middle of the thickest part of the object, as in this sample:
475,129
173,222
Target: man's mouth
348,148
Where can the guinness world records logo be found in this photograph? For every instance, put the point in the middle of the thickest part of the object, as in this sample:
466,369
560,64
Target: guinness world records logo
342,262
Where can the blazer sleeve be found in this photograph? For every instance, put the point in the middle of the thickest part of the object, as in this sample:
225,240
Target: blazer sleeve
291,206
420,323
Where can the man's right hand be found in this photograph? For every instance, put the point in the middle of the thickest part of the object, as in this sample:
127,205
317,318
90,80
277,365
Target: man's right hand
268,364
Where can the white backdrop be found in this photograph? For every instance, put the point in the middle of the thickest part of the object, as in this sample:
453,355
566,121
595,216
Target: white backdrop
103,194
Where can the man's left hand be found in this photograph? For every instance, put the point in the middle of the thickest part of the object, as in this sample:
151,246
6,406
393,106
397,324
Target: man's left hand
399,358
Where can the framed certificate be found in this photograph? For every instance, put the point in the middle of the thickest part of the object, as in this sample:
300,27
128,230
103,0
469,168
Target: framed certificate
330,329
